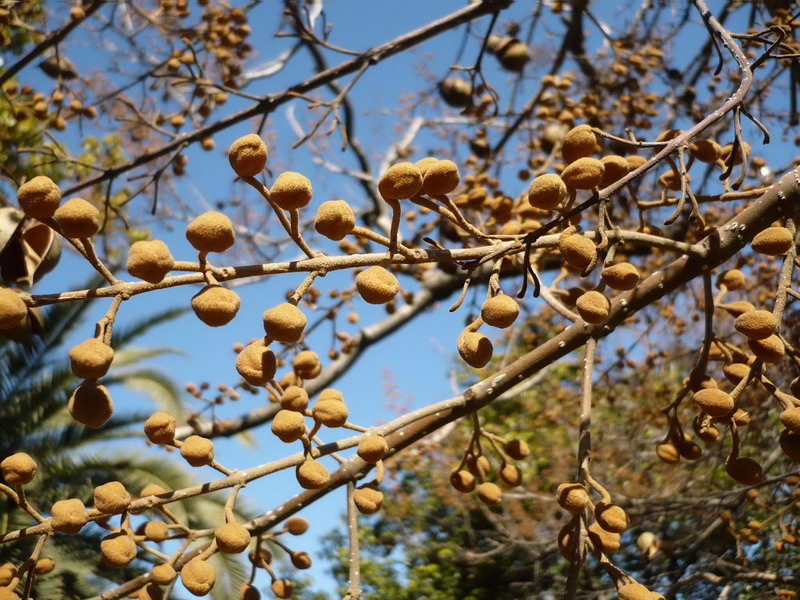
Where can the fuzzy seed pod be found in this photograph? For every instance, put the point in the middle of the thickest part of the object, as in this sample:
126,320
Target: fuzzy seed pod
232,538
726,150
583,174
772,241
400,181
294,398
572,497
296,525
790,444
733,279
516,449
635,161
499,311
198,576
367,499
739,307
456,92
611,517
163,574
616,167
514,56
151,489
741,417
211,232
306,364
668,453
330,394
511,476
463,481
12,308
197,450
770,349
745,471
475,348
593,307
291,190
312,474
706,151
284,323
248,155
735,372
621,276
160,428
68,516
489,493
372,448
547,191
156,531
578,251
377,285
91,359
478,465
332,413
44,565
282,588
215,305
579,142
335,219
605,541
90,404
672,180
7,573
440,178
78,218
790,418
756,324
8,594
111,498
39,197
150,260
18,469
714,402
566,541
249,592
634,591
288,425
118,549
256,363
300,559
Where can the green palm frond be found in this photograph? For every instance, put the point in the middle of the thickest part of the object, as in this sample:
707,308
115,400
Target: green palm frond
125,334
154,384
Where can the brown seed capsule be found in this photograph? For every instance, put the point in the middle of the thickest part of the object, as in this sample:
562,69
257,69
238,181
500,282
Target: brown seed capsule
372,448
312,474
198,576
572,497
713,402
547,191
232,538
726,150
377,285
462,481
706,151
151,489
90,404
215,305
294,398
741,417
12,308
306,364
118,549
773,241
616,167
291,190
593,307
756,324
770,349
635,161
440,178
668,453
68,516
368,500
499,311
475,348
150,260
282,588
332,413
790,418
516,449
197,450
456,92
288,425
284,323
296,525
514,56
605,541
735,372
578,251
7,574
249,592
211,232
583,174
634,591
256,363
733,279
745,471
331,394
39,197
739,307
489,493
335,219
300,559
160,428
78,218
18,469
248,155
790,444
611,517
91,359
621,276
163,574
111,498
400,181
44,565
511,475
579,142
566,541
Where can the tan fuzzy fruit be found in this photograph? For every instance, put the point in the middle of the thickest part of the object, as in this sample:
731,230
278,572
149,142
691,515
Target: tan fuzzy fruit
733,279
773,241
232,538
499,311
616,167
8,594
456,92
249,592
150,260
604,541
593,307
611,517
578,251
282,588
160,428
68,516
635,161
790,418
706,151
440,178
296,525
18,469
7,573
156,531
756,324
475,348
284,323
621,276
572,497
90,404
163,574
151,489
514,56
300,559
372,448
331,394
288,425
668,453
91,359
770,349
745,471
312,474
332,413
489,493
291,190
511,476
306,364
248,155
377,285
44,565
211,232
198,576
547,191
294,398
215,305
400,181
463,481
12,308
256,363
39,197
634,591
516,449
735,372
368,500
579,142
713,402
478,465
739,307
727,149
197,450
78,218
335,219
111,498
118,549
583,174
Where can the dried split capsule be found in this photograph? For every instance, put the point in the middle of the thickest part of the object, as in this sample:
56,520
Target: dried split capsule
475,348
621,276
150,260
78,218
91,359
579,142
616,167
291,190
39,197
377,285
714,402
456,92
306,364
296,525
368,499
282,588
232,538
18,469
790,444
463,481
706,151
90,404
211,232
372,448
111,498
12,308
198,576
593,307
288,425
489,493
547,191
572,497
578,251
756,324
790,418
511,476
440,178
335,219
256,363
294,398
604,541
499,311
249,592
216,305
160,428
733,279
770,349
611,517
68,516
312,474
300,559
400,181
248,155
284,323
198,451
163,574
332,413
118,549
773,241
516,449
567,541
745,471
583,174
